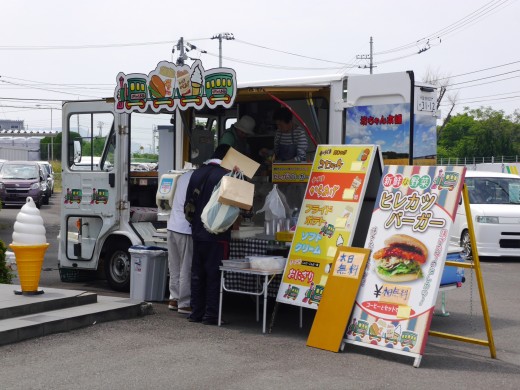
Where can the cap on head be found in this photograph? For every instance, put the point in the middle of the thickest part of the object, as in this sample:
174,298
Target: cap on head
246,124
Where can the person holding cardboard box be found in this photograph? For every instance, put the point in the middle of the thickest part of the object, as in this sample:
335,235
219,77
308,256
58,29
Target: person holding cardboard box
209,249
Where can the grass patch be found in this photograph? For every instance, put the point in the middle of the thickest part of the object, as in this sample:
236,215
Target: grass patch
56,166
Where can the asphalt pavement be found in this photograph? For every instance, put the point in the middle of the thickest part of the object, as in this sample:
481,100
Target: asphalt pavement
164,350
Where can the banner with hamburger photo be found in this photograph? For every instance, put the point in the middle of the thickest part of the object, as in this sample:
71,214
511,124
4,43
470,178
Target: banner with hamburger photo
409,238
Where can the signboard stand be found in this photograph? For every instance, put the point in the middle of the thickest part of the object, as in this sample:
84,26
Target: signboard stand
475,265
335,212
408,235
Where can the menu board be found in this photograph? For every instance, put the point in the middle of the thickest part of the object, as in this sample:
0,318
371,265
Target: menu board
327,219
409,237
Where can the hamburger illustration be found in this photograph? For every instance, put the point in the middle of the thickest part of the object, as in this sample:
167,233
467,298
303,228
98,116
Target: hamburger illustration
401,259
157,87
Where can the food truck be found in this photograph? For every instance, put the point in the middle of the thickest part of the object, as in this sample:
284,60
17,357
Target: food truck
107,207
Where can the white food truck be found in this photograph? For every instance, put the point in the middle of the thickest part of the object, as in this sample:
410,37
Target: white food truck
107,206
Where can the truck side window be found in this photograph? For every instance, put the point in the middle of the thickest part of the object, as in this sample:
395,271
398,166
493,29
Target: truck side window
97,145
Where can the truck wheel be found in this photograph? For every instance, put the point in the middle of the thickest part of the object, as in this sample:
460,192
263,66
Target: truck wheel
117,267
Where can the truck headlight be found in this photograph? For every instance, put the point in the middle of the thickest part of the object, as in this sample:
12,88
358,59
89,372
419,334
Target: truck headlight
35,186
486,219
2,186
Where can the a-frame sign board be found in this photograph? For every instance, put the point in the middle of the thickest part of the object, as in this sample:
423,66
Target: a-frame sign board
338,202
480,282
408,236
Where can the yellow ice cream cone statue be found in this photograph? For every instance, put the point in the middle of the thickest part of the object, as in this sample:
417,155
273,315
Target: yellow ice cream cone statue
29,261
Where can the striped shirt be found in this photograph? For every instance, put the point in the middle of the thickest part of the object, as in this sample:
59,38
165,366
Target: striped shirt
298,137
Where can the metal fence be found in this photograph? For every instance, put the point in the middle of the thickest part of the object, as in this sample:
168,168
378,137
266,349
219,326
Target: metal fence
477,160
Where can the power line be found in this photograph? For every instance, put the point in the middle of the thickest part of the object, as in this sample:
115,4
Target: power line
484,96
47,90
289,53
472,17
477,71
485,100
30,107
483,78
79,47
489,82
265,65
34,100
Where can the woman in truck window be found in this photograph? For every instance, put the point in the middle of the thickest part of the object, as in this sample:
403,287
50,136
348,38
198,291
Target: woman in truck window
290,141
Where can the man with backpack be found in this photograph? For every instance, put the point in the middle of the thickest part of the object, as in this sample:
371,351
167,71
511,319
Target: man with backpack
209,249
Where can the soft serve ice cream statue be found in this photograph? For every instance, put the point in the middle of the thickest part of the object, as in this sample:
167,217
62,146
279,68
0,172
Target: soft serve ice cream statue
28,228
29,246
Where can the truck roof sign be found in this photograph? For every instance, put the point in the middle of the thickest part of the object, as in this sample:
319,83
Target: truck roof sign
170,86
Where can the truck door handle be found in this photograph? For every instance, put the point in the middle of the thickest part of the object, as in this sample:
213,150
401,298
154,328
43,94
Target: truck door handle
112,179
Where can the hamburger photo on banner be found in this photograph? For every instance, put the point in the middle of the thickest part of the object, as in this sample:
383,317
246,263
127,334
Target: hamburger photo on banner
401,259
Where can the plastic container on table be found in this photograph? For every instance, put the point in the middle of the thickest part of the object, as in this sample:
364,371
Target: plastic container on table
148,274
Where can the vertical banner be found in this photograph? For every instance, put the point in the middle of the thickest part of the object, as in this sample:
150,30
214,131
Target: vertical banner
408,236
328,215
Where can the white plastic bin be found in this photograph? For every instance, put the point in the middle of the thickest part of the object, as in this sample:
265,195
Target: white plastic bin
149,273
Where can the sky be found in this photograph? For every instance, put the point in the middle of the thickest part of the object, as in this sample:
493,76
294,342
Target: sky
57,50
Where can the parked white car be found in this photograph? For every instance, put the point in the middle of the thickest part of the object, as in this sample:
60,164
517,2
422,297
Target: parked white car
495,208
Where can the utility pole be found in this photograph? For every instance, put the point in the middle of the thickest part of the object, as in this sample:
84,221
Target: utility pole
182,55
100,127
368,57
154,135
52,135
220,37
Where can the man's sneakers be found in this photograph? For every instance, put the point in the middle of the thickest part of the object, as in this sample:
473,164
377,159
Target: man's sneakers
207,321
213,321
184,310
173,305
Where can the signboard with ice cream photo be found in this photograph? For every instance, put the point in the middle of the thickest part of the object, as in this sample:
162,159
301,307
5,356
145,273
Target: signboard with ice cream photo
408,237
328,218
170,86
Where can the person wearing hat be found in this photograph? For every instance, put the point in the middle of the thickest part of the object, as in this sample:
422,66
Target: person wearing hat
236,135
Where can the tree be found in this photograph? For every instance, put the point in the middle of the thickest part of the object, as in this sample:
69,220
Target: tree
480,132
442,81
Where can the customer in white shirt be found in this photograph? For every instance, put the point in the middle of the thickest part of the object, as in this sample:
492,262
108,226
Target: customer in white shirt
180,250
